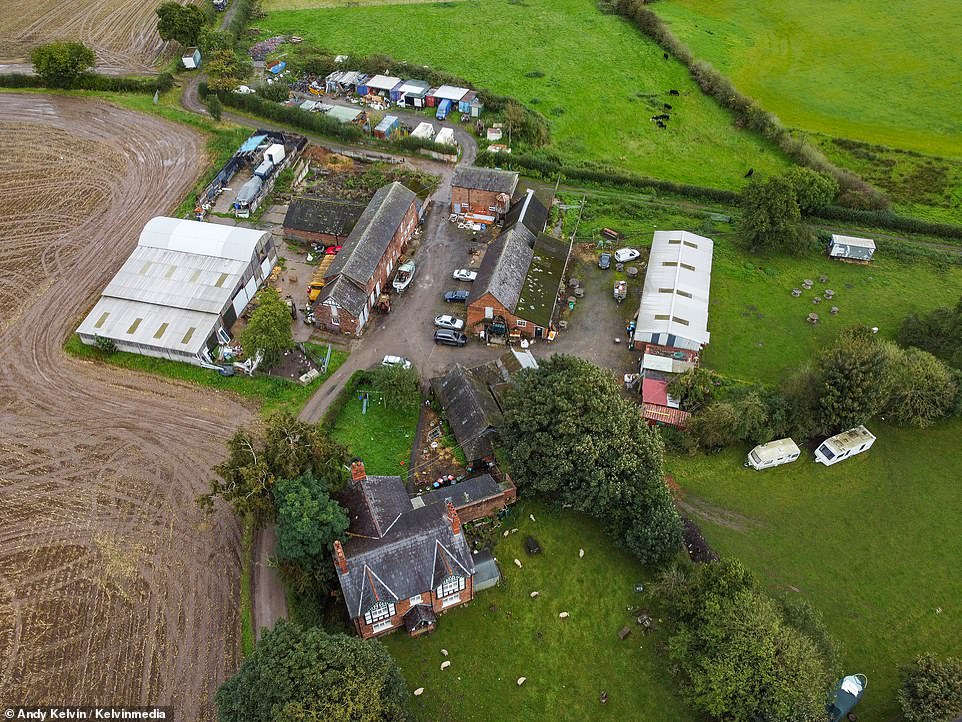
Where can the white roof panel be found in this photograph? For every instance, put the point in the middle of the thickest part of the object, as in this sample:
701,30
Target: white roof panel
149,324
382,82
853,241
450,92
204,239
675,296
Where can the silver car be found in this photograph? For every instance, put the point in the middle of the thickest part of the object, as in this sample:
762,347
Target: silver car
448,321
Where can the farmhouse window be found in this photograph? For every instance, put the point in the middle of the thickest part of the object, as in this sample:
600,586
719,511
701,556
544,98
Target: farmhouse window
381,610
416,599
488,312
521,324
451,585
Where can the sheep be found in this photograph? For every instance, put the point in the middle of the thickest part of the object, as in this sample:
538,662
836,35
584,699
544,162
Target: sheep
535,595
563,615
522,680
581,553
419,691
444,652
445,665
517,563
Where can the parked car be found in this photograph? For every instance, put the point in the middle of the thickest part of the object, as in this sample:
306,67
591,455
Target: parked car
396,361
405,274
623,255
446,321
450,337
456,296
463,274
604,261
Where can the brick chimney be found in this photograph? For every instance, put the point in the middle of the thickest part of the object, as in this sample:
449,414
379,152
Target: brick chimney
341,559
357,471
454,519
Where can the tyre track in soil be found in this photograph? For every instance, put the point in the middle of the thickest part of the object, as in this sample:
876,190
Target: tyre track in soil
114,587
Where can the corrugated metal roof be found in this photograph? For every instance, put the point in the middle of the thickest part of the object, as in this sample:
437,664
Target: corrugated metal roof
853,241
387,122
342,114
203,239
675,296
148,324
415,87
450,92
383,82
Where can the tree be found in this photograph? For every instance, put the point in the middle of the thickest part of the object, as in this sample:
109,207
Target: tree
301,674
269,329
931,689
214,106
744,418
741,656
770,216
923,389
399,387
308,523
939,332
570,435
694,388
62,65
282,447
223,69
211,40
278,91
182,23
854,379
813,190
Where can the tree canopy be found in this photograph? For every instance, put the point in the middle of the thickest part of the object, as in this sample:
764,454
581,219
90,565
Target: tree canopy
813,190
931,689
939,332
743,656
571,436
303,674
269,328
770,217
182,23
282,447
854,378
398,386
922,388
62,65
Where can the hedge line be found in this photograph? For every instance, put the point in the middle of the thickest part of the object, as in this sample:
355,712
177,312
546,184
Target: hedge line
243,9
312,122
748,114
93,81
891,221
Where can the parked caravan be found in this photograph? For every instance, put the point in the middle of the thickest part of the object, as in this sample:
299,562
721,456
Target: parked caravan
246,197
844,445
774,453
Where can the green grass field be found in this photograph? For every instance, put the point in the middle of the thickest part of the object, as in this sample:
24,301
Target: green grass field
602,80
872,542
885,74
568,663
382,437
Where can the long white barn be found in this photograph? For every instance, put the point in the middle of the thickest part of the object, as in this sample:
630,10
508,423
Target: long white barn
674,302
181,289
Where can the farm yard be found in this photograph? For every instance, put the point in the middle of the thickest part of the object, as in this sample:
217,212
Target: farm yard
843,68
594,115
123,33
115,585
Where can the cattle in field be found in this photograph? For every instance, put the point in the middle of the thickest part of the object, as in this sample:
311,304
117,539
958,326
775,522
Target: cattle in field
673,92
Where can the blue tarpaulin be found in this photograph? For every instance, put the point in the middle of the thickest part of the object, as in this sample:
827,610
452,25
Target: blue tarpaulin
252,143
279,67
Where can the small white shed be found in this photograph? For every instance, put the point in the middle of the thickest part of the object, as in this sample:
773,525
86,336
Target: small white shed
774,453
445,136
857,249
845,445
424,130
275,153
191,58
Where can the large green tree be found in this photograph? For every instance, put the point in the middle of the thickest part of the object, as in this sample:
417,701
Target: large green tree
570,435
813,190
308,523
282,447
303,674
182,23
269,329
931,689
939,332
399,387
770,216
923,389
854,379
743,656
62,65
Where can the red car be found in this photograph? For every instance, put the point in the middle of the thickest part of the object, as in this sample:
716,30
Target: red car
332,250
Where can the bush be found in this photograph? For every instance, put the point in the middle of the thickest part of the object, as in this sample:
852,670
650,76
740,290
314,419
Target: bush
931,689
312,122
182,23
105,344
214,107
62,65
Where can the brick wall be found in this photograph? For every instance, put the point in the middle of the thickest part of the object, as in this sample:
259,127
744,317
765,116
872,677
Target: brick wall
366,631
487,507
477,201
302,236
477,316
322,319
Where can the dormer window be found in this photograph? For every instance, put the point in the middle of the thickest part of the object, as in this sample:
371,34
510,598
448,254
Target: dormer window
452,585
379,611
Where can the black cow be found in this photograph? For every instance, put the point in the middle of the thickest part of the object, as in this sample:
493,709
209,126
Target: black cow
666,56
661,124
673,92
666,106
750,173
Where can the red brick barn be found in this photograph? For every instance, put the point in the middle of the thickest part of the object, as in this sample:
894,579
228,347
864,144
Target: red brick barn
328,221
370,254
482,192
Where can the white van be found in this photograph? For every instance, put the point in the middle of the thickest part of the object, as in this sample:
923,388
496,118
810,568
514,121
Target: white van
774,453
842,446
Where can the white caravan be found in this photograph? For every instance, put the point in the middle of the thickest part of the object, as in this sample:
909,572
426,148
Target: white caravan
774,453
844,445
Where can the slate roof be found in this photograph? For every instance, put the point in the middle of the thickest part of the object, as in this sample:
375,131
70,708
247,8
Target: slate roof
412,554
367,243
462,494
472,412
332,216
419,614
346,294
485,179
528,210
505,265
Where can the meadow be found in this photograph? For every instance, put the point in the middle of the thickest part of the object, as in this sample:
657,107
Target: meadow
884,74
594,77
873,543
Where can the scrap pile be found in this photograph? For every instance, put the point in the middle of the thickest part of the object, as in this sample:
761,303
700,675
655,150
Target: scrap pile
260,50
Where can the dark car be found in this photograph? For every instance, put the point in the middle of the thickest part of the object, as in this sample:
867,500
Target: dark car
450,337
456,296
604,261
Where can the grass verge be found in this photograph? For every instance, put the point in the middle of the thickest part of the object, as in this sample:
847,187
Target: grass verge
246,611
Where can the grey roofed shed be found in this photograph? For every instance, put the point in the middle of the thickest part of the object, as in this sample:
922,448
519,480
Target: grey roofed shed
472,411
486,571
529,211
331,216
485,179
505,266
862,249
464,493
367,243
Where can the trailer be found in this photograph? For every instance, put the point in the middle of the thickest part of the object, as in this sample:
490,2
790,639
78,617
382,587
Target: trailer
317,280
445,136
405,274
848,692
845,445
774,453
621,291
424,130
850,248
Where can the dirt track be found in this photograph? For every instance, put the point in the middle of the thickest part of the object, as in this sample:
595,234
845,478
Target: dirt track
114,587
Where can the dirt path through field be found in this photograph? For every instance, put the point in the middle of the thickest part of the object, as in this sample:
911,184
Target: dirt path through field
114,587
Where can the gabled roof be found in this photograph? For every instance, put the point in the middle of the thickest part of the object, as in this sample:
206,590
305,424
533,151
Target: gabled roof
383,82
539,293
853,241
528,210
505,266
344,293
485,179
367,243
472,411
333,216
450,92
464,493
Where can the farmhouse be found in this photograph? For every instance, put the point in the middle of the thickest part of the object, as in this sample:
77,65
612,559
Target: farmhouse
851,248
482,191
362,268
401,566
321,220
518,282
674,301
181,289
